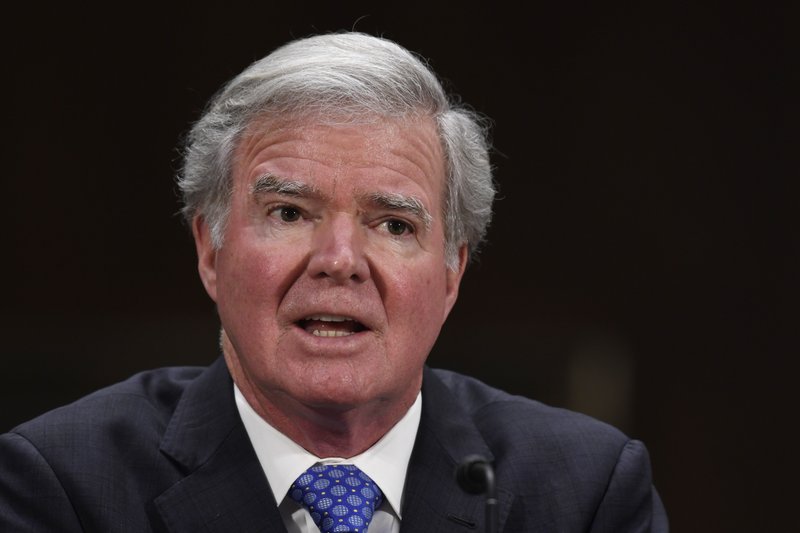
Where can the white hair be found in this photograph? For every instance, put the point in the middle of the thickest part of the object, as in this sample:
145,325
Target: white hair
343,76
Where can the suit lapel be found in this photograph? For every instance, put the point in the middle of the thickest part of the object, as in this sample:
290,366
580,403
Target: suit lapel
225,489
433,500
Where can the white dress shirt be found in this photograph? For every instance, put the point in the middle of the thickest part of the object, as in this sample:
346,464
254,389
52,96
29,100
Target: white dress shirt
283,460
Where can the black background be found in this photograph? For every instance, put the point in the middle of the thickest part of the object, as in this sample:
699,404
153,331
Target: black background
641,265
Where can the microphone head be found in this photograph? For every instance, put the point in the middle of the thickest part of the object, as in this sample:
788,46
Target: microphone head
473,474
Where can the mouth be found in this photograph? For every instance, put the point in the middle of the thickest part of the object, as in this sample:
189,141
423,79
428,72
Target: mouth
331,325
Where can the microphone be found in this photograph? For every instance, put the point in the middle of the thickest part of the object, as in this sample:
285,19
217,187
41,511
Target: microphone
475,475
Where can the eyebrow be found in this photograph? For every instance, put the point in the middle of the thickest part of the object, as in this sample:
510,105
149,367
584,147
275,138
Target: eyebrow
400,202
270,183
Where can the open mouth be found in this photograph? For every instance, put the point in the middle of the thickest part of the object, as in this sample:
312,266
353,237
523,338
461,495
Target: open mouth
331,326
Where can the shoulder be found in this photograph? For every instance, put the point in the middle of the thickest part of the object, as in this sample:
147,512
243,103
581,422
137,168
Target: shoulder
492,409
93,457
565,470
134,411
527,436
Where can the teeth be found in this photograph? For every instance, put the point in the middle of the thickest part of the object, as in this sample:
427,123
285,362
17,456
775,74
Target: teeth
319,333
329,318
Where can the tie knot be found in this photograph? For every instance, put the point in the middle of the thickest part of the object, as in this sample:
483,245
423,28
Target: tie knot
340,498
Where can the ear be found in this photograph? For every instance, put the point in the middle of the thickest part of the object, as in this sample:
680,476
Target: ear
454,279
206,255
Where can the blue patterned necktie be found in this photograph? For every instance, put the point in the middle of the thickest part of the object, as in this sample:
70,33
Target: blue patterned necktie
340,498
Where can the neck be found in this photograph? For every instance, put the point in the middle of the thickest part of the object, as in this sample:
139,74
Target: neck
328,432
325,430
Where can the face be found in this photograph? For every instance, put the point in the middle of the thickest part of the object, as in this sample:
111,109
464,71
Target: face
331,283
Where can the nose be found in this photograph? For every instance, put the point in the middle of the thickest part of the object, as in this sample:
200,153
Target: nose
338,250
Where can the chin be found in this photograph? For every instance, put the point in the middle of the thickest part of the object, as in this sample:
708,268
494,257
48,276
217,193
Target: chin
332,400
340,389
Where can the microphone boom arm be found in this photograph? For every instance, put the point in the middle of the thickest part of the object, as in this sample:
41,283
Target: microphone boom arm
475,475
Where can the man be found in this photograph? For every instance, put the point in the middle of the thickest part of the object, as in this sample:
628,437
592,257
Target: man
335,195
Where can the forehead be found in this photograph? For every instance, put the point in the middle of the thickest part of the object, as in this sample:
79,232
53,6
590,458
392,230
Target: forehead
378,150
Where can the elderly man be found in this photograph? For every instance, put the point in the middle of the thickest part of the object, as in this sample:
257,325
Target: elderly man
335,195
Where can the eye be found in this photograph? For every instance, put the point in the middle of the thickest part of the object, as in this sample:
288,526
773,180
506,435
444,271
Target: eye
398,227
286,213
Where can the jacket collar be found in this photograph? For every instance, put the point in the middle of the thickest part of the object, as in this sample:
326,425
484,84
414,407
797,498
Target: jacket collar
447,435
224,488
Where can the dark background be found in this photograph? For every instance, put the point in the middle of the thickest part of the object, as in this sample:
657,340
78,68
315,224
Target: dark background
642,261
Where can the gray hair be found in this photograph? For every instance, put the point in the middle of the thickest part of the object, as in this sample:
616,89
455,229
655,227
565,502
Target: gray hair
348,76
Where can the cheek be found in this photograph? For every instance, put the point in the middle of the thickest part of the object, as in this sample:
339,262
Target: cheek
415,303
253,277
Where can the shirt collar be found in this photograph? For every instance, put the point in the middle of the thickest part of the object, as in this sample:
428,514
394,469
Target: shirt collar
282,460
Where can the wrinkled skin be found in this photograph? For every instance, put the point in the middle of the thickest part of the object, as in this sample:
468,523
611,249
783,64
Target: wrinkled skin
331,283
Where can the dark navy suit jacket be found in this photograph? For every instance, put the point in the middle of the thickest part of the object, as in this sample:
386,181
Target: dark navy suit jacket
166,451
